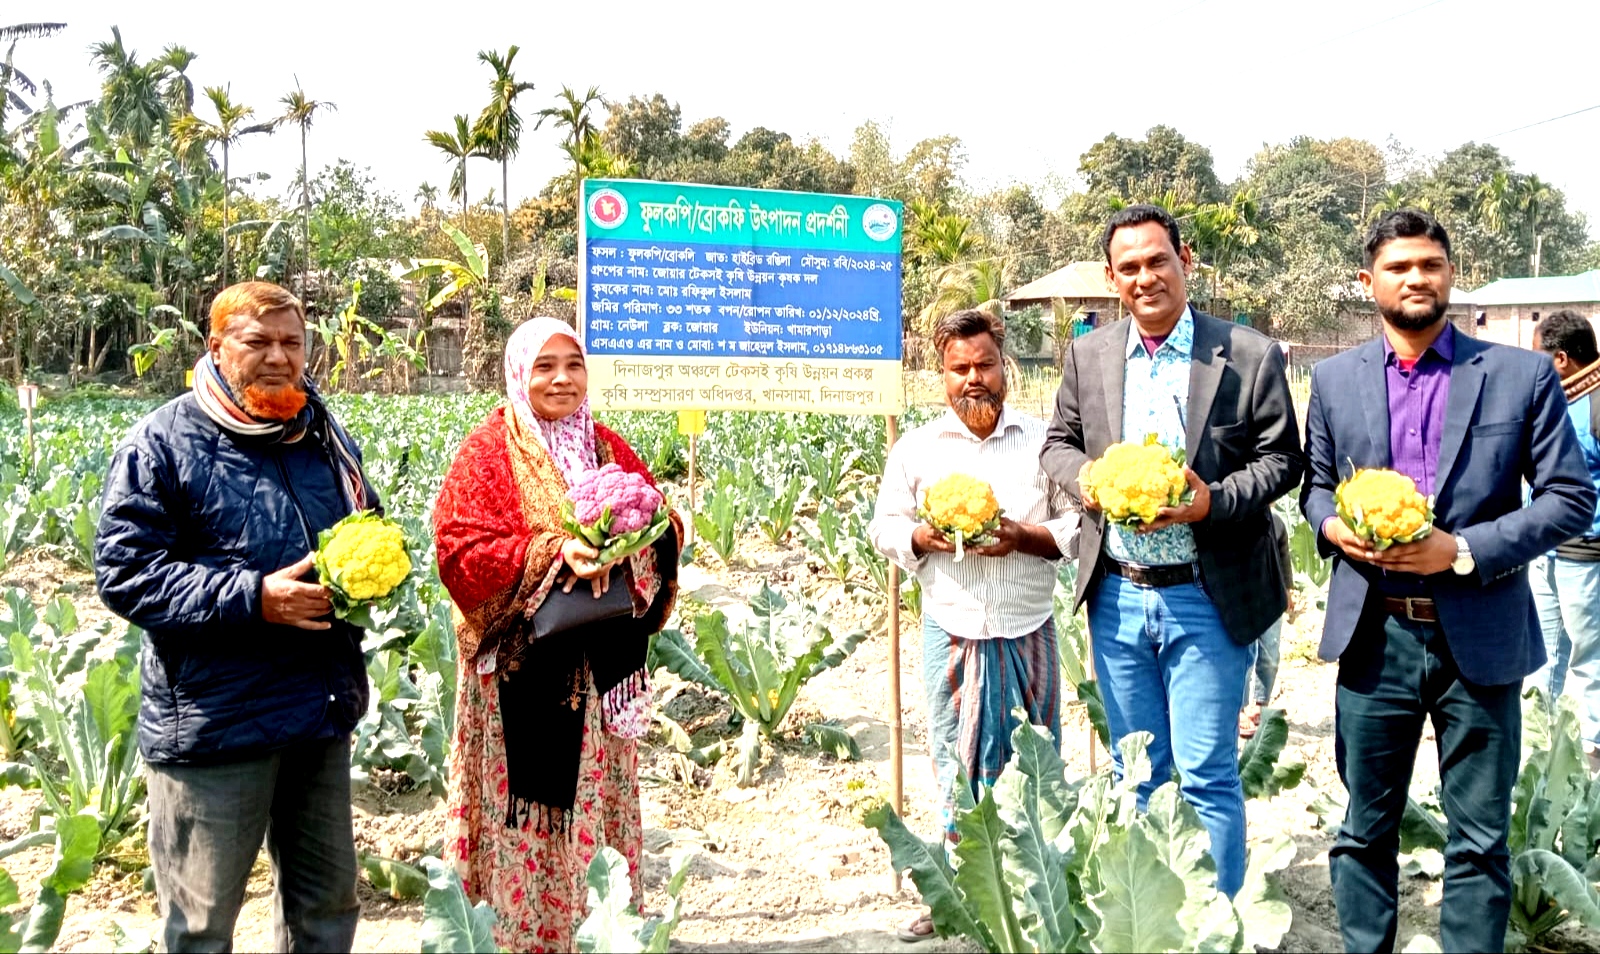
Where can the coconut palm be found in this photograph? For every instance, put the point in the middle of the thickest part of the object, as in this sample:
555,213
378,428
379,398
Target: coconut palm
231,126
500,128
300,110
1531,196
427,194
464,144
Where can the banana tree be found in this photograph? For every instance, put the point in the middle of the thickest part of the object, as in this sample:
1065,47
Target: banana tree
190,130
463,277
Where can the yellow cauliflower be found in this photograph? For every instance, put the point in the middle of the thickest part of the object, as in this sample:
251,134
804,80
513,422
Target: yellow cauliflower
1132,482
1383,506
963,508
362,559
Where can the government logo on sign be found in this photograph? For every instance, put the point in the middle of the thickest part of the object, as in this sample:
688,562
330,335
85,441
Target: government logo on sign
607,208
879,221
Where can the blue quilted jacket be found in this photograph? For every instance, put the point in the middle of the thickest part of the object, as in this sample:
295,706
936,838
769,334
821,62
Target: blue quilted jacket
193,517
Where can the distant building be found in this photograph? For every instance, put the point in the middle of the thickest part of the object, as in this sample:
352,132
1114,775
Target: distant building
1081,285
1508,310
1358,321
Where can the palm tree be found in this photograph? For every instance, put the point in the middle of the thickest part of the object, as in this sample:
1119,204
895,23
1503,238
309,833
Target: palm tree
23,31
500,128
1223,229
427,194
301,110
943,239
463,145
131,97
9,74
576,113
1494,200
177,89
1532,196
581,141
1396,197
191,131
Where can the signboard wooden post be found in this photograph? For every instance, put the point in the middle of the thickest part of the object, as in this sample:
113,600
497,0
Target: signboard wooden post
28,399
691,424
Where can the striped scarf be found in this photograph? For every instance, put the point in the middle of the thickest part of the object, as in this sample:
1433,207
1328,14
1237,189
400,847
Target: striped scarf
216,399
1579,383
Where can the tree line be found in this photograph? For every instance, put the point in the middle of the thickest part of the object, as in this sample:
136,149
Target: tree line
121,215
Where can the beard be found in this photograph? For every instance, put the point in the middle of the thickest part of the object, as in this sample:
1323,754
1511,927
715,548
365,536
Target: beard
1403,320
979,412
275,404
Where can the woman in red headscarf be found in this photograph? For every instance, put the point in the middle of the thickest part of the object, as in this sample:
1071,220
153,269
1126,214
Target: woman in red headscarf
544,767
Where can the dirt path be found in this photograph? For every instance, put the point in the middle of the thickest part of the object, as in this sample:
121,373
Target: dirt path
785,865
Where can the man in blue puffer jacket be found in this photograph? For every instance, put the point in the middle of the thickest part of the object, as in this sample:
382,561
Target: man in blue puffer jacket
250,688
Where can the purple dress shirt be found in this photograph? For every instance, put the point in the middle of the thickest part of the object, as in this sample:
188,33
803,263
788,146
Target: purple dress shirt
1416,409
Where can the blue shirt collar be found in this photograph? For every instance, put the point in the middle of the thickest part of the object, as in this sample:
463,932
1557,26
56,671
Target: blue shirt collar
1180,341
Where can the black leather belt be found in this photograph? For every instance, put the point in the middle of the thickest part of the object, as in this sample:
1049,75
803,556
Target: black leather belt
1153,576
1418,609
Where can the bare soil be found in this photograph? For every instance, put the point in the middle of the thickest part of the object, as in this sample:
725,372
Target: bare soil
784,865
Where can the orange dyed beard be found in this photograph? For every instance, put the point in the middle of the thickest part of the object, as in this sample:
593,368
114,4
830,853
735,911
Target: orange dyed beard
272,404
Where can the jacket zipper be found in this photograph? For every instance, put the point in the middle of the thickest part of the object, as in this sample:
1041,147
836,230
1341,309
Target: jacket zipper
305,527
300,511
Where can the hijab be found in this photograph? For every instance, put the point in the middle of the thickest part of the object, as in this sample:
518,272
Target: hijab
570,440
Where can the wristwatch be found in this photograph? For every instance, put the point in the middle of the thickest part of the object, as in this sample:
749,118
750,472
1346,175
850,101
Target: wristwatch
1463,563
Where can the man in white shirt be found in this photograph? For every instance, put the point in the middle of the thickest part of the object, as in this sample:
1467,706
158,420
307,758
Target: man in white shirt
989,644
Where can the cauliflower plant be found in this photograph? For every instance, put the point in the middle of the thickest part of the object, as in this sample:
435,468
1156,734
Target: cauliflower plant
1384,507
963,508
362,560
615,511
1132,482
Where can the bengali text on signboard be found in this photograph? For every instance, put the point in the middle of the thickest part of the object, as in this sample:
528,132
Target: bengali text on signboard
739,299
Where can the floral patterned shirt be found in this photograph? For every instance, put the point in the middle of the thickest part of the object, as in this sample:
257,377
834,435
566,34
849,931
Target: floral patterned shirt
1155,400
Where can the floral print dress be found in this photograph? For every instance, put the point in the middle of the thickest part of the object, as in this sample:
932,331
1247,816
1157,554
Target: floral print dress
534,880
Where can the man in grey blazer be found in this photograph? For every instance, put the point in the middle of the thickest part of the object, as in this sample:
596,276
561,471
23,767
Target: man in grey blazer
1443,628
1175,607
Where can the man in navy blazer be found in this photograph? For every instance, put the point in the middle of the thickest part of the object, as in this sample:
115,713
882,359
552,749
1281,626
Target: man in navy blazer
1443,628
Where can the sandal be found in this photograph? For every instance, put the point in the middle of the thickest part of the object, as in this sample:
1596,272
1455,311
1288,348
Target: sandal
918,929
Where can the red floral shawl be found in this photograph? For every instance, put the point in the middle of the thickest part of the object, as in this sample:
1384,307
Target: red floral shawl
497,525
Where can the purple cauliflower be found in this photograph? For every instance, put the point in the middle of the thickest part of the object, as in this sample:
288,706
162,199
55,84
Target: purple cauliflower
632,500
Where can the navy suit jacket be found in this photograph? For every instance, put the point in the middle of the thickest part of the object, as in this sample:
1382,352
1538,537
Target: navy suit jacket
1505,423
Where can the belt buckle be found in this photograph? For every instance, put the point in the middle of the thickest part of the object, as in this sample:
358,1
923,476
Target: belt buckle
1410,612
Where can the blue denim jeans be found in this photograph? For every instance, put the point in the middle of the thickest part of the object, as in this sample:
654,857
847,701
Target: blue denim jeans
1264,656
1166,666
1567,593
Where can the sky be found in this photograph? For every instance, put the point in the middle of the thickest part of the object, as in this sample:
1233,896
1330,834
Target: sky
1026,86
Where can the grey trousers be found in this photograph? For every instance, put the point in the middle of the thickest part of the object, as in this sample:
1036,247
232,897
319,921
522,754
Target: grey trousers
207,822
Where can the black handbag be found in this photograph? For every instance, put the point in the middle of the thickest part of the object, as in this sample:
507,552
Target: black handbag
562,611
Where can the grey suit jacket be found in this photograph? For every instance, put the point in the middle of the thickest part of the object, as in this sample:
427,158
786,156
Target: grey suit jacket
1242,440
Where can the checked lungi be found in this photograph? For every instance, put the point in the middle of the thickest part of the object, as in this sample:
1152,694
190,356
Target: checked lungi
972,686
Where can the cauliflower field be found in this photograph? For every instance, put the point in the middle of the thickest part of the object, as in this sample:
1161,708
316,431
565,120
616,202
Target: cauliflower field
780,531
